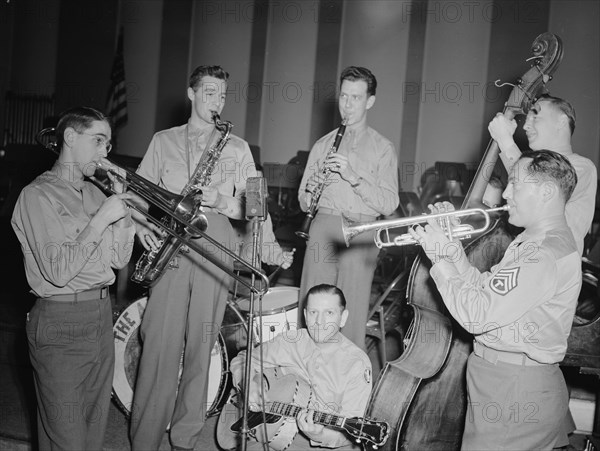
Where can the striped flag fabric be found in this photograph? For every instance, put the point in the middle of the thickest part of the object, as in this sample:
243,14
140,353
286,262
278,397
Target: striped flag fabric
116,103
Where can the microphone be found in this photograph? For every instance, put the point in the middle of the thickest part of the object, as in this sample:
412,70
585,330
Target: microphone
256,198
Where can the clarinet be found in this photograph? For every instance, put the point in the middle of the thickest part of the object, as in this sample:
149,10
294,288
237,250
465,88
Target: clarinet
318,191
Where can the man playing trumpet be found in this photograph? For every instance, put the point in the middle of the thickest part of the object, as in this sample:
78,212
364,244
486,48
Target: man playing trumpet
520,312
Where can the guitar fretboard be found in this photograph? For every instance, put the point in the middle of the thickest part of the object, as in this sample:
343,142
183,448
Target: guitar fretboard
290,410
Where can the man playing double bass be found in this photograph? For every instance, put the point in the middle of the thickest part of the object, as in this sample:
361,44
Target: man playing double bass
549,125
520,312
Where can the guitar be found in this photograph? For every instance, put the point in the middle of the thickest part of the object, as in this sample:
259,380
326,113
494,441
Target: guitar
293,395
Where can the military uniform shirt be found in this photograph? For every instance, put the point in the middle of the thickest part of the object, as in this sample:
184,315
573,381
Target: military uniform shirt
173,155
525,303
63,255
373,157
339,377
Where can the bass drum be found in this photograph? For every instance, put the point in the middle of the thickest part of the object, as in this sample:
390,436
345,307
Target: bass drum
127,356
279,313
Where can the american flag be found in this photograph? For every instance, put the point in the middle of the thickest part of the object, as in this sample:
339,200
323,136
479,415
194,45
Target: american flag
116,103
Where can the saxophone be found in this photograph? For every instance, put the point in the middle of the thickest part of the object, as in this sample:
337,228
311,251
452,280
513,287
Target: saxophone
316,194
152,264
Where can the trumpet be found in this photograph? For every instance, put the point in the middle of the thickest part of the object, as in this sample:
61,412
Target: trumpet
177,206
382,235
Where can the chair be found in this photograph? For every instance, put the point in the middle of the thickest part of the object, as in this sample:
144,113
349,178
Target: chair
385,319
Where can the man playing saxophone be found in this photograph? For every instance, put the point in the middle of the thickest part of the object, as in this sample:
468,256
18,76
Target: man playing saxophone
362,184
187,304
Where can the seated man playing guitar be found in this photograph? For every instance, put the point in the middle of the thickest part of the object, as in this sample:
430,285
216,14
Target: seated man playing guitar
333,373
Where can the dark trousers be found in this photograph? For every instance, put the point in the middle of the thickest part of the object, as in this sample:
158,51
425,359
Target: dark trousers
513,407
185,307
328,260
72,353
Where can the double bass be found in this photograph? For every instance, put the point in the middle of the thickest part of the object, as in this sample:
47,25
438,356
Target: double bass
422,394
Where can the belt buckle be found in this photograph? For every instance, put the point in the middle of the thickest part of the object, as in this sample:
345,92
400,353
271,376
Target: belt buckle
103,292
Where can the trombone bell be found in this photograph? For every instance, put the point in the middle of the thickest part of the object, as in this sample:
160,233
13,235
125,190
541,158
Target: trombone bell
382,228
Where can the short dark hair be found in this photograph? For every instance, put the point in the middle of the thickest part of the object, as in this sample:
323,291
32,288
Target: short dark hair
355,73
549,165
563,106
325,288
495,182
80,119
207,71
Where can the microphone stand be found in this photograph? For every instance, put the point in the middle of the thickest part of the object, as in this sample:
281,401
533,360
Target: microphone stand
256,244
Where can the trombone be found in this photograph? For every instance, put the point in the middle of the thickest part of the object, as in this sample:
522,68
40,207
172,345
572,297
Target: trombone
176,206
382,228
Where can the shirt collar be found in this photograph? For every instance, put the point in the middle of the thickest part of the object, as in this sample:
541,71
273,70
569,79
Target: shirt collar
67,175
542,227
359,131
195,131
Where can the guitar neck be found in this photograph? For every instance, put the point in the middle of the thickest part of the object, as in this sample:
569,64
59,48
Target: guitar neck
290,410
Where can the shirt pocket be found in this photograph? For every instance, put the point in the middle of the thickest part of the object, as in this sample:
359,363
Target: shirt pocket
174,176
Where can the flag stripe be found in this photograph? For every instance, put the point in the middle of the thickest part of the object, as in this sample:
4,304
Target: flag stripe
116,102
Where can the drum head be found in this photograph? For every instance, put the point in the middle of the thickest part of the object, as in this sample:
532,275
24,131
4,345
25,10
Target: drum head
127,352
276,300
127,355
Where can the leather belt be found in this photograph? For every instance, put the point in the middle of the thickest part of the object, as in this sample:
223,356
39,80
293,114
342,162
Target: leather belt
87,295
493,356
354,216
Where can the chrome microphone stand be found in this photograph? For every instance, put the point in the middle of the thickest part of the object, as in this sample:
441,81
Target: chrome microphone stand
256,219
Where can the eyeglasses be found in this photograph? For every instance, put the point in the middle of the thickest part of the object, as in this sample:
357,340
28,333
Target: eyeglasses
100,141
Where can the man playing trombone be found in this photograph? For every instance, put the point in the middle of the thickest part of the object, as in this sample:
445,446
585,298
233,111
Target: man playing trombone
360,181
71,236
187,304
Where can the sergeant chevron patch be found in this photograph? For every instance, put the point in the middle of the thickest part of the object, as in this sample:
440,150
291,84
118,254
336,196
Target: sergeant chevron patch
504,281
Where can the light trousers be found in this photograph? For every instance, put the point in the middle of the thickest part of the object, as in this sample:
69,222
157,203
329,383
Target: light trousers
329,260
184,313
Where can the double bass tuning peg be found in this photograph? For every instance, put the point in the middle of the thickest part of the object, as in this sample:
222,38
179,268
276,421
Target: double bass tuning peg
498,84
